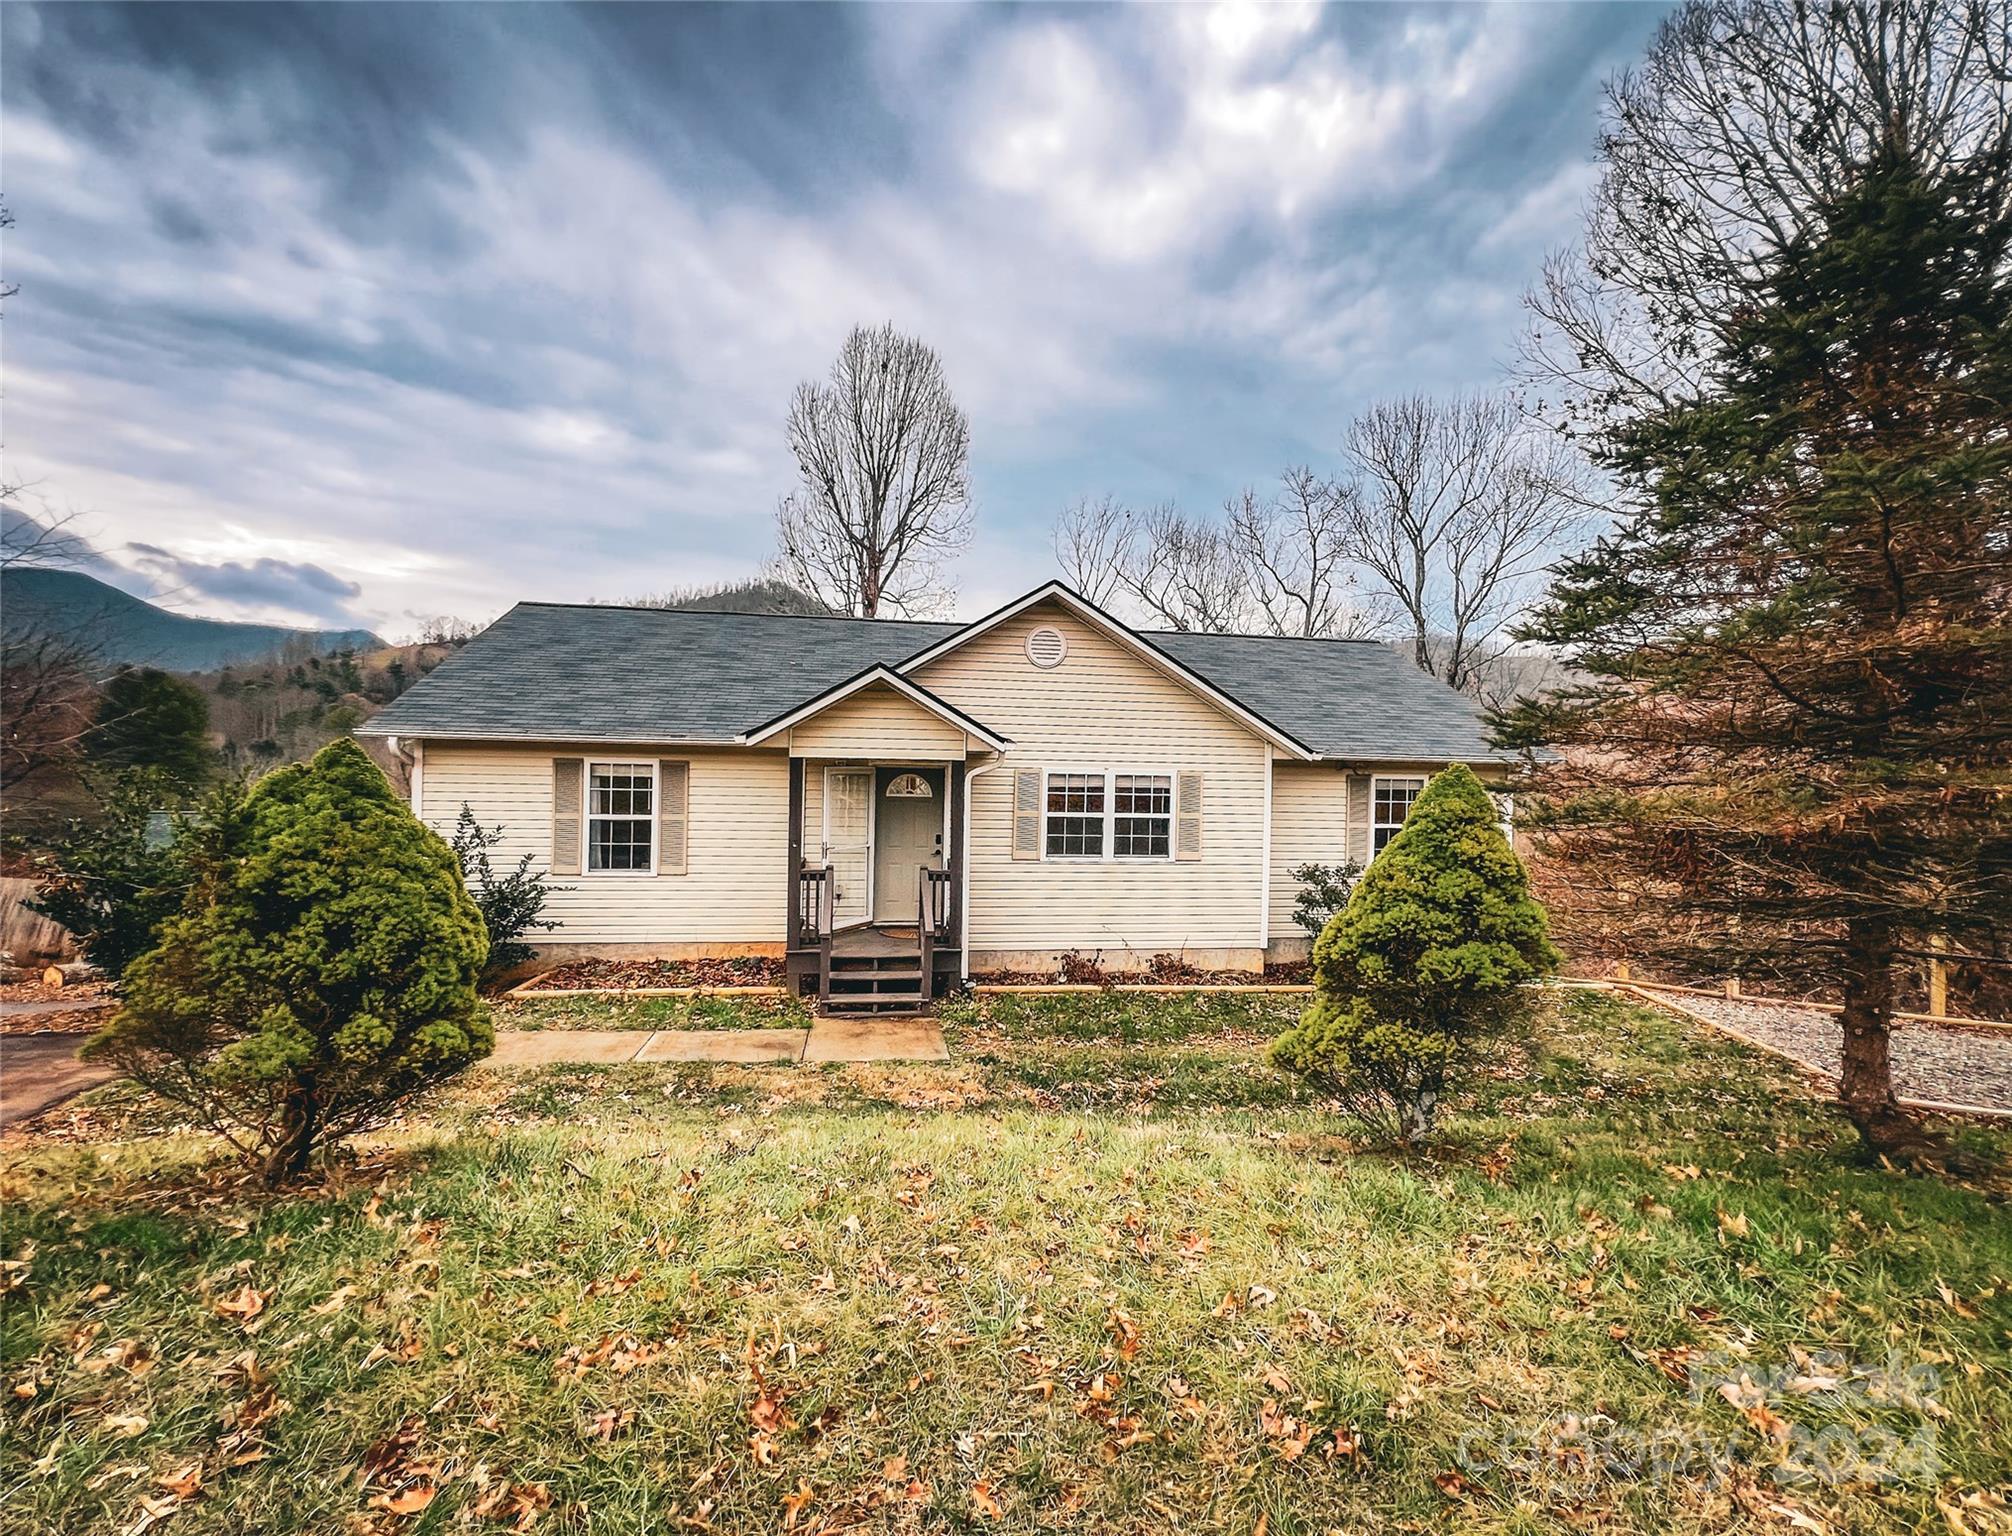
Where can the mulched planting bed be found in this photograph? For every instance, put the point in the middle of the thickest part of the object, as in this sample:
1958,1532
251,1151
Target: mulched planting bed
1164,971
630,975
1935,1063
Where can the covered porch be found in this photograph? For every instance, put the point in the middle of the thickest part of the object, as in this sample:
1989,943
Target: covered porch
877,769
876,921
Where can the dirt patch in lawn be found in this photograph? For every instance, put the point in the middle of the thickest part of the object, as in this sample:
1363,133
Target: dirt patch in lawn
633,975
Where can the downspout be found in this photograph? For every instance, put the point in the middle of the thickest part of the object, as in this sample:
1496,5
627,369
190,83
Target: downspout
1264,878
964,883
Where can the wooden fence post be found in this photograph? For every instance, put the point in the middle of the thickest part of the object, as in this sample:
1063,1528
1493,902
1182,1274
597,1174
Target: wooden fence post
1938,976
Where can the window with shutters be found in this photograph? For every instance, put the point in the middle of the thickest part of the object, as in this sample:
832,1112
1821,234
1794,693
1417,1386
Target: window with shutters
1109,815
1390,803
621,818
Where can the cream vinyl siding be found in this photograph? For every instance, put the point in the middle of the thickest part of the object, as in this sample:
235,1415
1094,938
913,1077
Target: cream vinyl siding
1309,825
738,850
1104,709
877,722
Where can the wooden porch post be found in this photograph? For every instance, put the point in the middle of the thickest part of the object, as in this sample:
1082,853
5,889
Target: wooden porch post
956,860
793,927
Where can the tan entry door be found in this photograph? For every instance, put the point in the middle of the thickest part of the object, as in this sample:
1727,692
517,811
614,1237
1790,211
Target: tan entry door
907,834
848,842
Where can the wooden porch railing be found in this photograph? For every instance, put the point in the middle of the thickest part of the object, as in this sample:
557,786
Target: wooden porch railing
932,920
813,919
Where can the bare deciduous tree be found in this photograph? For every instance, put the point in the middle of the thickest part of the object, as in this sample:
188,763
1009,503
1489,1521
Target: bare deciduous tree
48,671
48,703
27,541
1743,118
885,499
1456,508
1296,549
1090,540
1278,563
1182,572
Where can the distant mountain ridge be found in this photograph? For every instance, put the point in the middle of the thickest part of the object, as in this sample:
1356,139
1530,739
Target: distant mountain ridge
129,631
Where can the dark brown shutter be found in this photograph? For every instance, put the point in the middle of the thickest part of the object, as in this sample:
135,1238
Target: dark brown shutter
673,816
567,773
1187,816
1027,813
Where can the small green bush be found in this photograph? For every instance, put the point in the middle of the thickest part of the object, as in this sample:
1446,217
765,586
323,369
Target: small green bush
318,976
1429,956
510,904
1323,891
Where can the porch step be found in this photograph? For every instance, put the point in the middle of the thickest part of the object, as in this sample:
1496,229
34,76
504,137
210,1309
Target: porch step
881,970
865,1006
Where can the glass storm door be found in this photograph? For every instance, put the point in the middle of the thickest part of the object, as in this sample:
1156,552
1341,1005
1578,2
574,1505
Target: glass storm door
848,842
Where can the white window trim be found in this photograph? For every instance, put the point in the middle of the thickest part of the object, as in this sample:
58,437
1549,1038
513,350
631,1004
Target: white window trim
1420,779
1110,776
588,818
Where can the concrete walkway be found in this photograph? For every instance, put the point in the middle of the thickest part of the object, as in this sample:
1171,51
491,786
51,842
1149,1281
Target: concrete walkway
827,1040
38,1072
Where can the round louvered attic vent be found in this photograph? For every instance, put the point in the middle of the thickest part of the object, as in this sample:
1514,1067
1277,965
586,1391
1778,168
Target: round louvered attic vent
1046,647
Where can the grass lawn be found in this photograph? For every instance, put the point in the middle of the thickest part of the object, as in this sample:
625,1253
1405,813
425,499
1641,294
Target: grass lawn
1103,1271
613,1011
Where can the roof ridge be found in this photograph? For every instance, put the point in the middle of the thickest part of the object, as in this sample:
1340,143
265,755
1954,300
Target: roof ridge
849,618
721,613
1246,634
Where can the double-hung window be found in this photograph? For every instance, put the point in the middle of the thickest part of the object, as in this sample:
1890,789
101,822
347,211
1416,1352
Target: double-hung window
1110,815
621,817
1390,803
1142,806
1075,815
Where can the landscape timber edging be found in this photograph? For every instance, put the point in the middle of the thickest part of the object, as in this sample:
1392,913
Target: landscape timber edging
988,988
530,992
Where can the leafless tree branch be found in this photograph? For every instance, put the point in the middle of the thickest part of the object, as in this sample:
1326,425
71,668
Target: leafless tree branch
884,500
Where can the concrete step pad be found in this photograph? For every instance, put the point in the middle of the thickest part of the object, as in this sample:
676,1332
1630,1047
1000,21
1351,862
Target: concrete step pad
875,1039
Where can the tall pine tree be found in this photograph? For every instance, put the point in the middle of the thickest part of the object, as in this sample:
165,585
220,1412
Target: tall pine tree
1796,744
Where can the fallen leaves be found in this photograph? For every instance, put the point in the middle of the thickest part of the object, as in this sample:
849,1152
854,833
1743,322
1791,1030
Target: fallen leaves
518,1503
245,1305
1974,1511
983,1501
411,1500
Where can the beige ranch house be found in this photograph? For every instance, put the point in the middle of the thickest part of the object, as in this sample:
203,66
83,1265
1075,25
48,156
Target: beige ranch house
879,802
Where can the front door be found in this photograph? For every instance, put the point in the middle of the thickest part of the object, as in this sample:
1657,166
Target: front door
848,842
907,834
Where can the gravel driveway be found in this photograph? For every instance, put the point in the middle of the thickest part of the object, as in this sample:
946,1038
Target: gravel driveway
38,1072
1932,1063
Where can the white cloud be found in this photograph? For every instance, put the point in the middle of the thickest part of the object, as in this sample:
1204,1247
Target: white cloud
582,395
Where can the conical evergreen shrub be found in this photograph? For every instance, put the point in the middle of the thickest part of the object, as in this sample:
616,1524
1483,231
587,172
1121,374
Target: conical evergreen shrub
323,971
1428,957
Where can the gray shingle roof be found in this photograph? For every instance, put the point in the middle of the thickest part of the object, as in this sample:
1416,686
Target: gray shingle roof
562,672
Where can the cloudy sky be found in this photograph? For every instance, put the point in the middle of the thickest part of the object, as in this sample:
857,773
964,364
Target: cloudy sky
362,314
